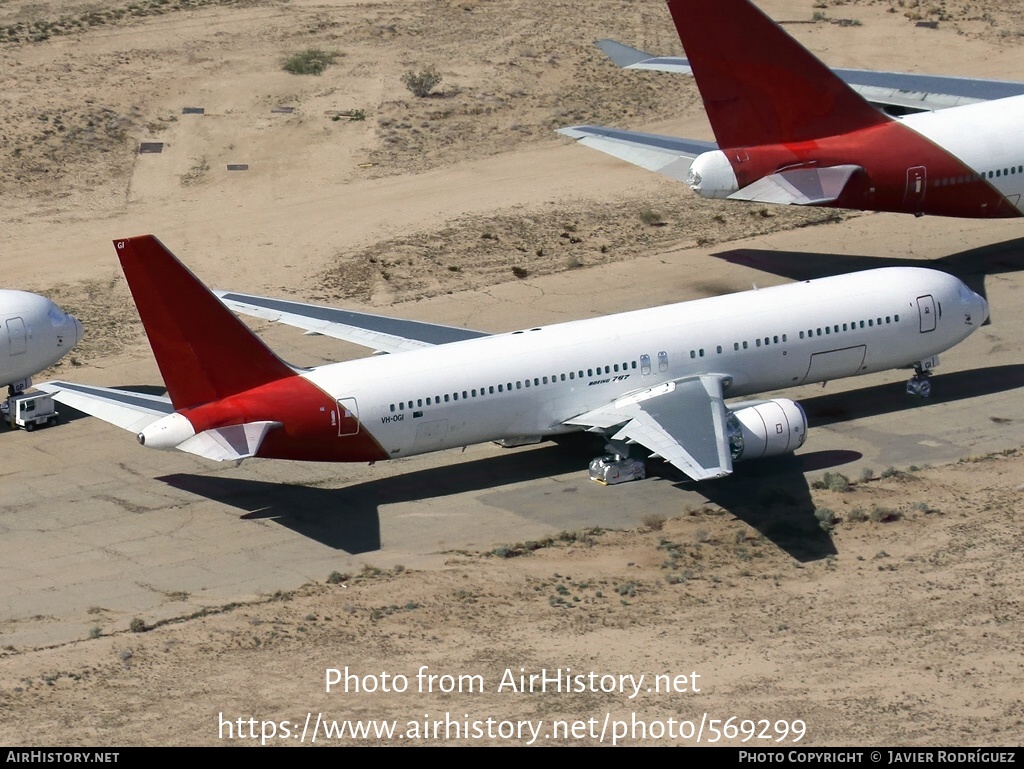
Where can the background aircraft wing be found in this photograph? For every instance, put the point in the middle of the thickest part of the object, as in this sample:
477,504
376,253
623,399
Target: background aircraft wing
128,410
925,92
662,154
682,422
905,90
633,58
375,331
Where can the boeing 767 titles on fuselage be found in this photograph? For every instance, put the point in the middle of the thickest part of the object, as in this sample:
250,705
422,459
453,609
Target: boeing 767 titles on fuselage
657,377
789,130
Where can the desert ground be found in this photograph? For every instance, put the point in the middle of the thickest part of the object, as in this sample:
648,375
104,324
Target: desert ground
866,591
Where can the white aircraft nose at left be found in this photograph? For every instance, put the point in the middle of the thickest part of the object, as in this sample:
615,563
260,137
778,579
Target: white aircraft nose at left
34,334
68,327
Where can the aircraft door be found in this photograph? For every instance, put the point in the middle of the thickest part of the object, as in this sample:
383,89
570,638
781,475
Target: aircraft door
926,311
835,364
17,337
917,183
349,422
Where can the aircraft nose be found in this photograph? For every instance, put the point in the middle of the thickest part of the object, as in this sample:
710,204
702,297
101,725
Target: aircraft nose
77,324
983,307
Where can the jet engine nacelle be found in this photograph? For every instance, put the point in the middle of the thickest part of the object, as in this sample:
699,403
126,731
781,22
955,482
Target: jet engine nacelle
765,428
168,432
711,175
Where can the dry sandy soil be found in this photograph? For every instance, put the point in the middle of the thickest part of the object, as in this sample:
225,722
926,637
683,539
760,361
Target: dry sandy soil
910,636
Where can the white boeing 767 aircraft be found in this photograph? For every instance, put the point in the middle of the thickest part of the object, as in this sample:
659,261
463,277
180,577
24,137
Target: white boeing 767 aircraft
658,377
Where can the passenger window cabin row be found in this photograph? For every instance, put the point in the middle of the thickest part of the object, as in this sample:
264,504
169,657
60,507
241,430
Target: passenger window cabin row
645,366
835,329
521,384
948,181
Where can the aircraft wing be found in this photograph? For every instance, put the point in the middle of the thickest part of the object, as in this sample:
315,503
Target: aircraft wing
128,410
682,422
892,89
378,332
662,154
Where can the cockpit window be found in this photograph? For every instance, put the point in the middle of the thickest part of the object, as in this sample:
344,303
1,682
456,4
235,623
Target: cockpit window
57,316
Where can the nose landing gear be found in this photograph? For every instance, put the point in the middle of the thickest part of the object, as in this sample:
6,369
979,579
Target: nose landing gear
920,384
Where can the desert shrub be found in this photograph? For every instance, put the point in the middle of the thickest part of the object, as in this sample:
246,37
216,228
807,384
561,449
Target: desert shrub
837,482
651,217
826,518
654,522
833,482
884,514
312,61
423,82
857,515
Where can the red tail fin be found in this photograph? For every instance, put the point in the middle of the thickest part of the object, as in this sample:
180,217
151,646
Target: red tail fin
204,351
759,85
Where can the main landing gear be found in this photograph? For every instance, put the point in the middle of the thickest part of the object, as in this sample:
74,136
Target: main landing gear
920,384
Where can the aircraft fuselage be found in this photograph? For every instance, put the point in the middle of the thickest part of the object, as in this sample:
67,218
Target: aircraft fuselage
530,382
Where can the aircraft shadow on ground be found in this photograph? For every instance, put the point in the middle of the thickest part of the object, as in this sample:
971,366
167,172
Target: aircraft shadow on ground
778,504
348,518
970,266
829,409
771,495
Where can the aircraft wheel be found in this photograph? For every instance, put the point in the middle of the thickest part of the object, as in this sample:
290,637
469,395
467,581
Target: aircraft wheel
919,386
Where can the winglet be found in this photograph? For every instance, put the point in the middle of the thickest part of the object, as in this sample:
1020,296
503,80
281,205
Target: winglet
204,351
759,85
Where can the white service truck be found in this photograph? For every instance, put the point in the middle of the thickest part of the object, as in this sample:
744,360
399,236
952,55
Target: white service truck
30,410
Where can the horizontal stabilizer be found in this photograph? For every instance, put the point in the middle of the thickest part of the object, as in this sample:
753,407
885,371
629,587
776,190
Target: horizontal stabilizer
666,155
799,186
229,443
378,332
128,410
